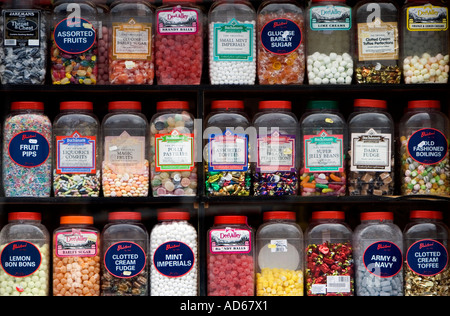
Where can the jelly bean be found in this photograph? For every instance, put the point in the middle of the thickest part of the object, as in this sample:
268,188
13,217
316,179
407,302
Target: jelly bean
323,184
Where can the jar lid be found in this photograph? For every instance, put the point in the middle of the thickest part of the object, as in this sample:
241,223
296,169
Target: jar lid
322,105
230,219
173,215
114,216
328,1
424,104
369,103
328,215
76,105
274,104
124,105
77,219
227,104
170,105
34,216
367,216
426,214
279,215
27,105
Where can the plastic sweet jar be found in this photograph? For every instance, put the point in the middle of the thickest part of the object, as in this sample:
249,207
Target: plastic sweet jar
377,48
76,144
25,256
230,257
232,42
424,136
131,48
329,34
125,169
275,149
179,42
425,41
324,137
279,255
76,257
371,149
329,266
27,151
74,50
174,255
426,237
124,249
173,166
103,44
281,43
226,151
378,255
23,53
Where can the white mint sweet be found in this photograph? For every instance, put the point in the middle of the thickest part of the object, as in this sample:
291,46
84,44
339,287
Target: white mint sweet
330,69
426,69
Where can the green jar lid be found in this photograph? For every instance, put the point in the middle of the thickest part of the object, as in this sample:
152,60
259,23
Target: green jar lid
322,105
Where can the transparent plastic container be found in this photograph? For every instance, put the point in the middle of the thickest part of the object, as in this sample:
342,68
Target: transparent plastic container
230,258
125,170
125,246
77,145
426,238
371,152
131,50
329,34
324,137
425,41
378,253
329,266
76,257
281,57
27,151
424,134
74,50
174,255
377,49
226,152
280,255
103,45
232,42
276,152
179,42
173,166
25,256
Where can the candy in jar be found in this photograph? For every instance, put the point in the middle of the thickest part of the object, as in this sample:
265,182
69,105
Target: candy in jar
76,137
174,255
124,244
281,48
74,43
131,47
179,43
125,169
424,154
76,257
27,151
24,256
103,45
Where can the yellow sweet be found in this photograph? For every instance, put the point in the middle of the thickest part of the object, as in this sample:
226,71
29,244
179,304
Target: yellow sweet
279,282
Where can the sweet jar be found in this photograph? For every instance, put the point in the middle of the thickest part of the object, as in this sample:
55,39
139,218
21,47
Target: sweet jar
103,45
279,255
25,256
226,152
125,168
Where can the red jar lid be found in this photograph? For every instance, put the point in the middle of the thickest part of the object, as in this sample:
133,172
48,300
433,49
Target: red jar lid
170,105
124,105
328,215
114,216
275,105
77,219
76,105
370,103
230,219
424,104
173,215
27,105
227,104
368,216
426,214
279,215
34,216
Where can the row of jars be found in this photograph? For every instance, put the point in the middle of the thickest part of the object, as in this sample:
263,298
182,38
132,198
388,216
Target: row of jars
273,155
131,42
376,259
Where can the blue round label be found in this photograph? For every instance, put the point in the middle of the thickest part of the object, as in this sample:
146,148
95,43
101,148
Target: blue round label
29,149
281,36
125,259
383,259
428,146
74,36
427,257
20,258
173,259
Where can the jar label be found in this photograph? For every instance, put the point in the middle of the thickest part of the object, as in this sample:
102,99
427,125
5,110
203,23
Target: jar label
378,40
75,154
281,36
383,259
74,35
427,257
177,21
21,28
20,258
125,259
427,18
230,240
278,245
125,153
76,243
173,259
371,151
29,149
276,152
228,151
132,40
324,152
330,18
233,41
428,146
174,152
